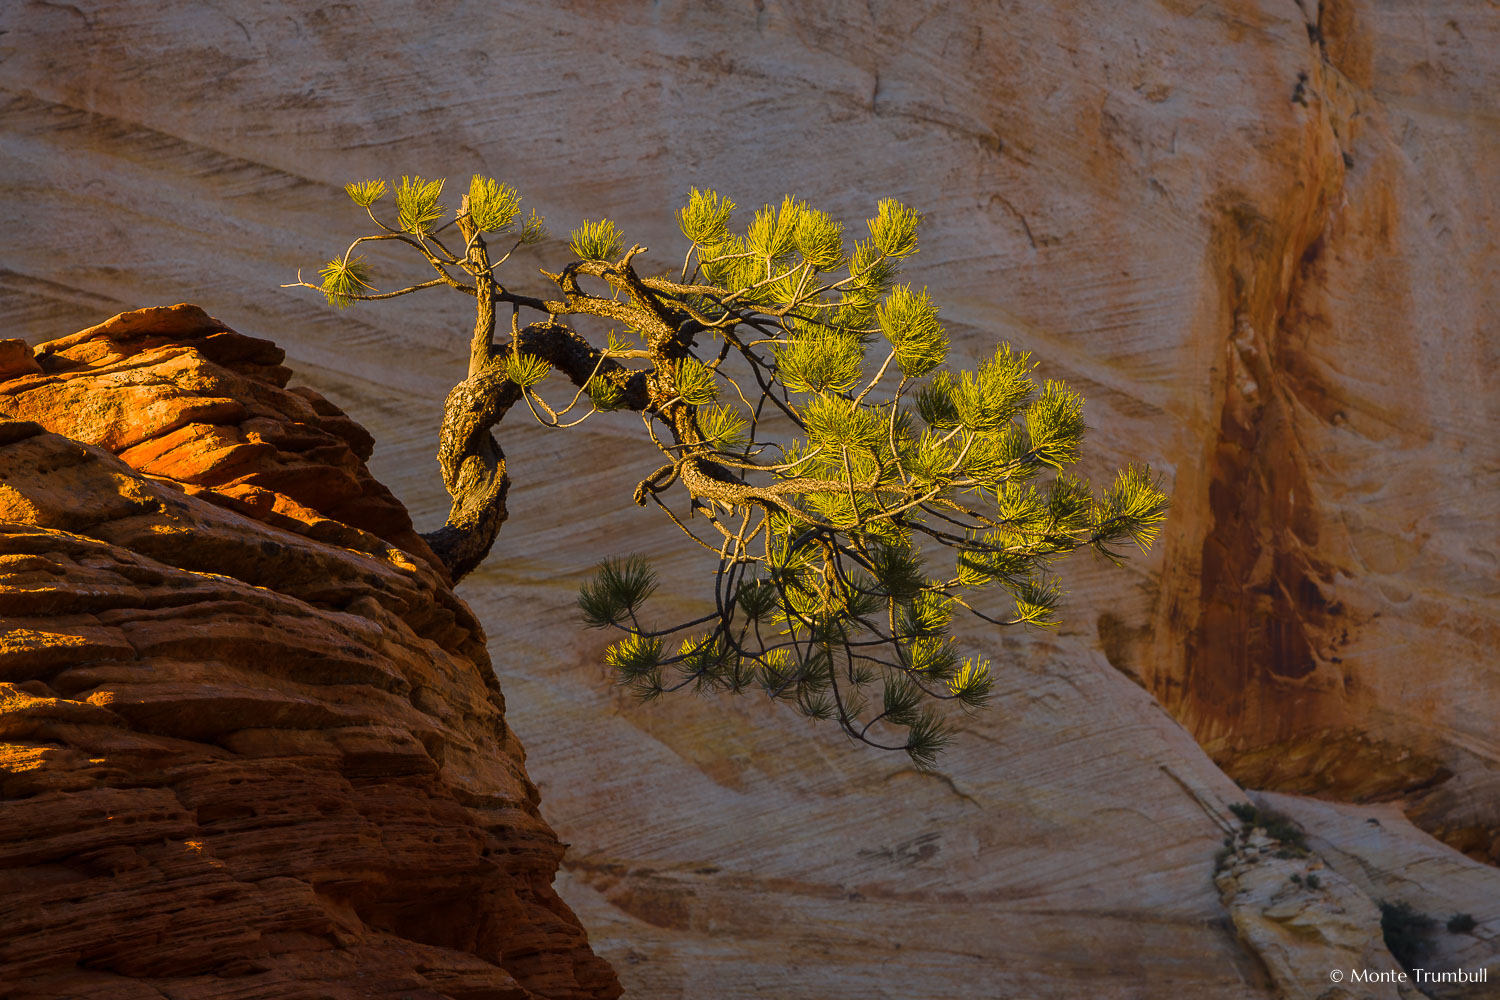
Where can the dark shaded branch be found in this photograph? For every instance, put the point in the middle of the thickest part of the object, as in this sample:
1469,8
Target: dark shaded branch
472,464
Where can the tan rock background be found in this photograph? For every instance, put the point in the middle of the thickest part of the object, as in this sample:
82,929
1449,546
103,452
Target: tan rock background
1259,236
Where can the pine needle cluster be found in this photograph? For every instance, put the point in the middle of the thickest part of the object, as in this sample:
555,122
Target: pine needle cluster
344,279
596,240
417,205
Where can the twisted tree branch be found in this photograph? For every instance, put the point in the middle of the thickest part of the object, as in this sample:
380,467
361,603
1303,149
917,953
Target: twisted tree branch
473,466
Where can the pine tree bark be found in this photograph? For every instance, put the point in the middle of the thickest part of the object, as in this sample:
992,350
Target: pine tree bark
472,463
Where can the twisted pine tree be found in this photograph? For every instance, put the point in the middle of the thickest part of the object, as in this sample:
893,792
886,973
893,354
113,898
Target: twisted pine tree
823,478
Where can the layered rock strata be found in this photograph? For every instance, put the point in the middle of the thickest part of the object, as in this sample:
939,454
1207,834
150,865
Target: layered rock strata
1453,899
251,744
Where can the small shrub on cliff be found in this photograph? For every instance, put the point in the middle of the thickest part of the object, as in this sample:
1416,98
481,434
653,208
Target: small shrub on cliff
1461,923
1278,827
852,489
1407,932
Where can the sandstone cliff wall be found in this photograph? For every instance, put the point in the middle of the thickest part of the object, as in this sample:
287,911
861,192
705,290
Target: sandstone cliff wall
1258,235
251,744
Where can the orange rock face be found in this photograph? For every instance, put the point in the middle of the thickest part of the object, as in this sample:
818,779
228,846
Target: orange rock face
251,744
179,396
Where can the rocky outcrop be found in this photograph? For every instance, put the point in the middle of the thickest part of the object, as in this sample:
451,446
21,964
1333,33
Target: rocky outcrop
1344,902
1453,901
1299,917
1257,234
180,397
251,744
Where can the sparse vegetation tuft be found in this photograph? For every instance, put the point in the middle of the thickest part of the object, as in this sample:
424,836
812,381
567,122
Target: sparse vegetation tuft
1407,932
1278,827
1461,923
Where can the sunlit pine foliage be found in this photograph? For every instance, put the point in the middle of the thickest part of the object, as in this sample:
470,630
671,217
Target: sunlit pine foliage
854,488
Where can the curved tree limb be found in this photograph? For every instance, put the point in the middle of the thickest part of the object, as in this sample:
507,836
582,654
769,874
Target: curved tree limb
472,464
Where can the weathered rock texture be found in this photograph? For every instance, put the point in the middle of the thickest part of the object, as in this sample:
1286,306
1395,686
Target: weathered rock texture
1313,901
1258,234
251,744
1382,855
1297,915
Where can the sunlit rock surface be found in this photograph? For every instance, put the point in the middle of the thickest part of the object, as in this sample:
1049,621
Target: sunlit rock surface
1258,236
248,747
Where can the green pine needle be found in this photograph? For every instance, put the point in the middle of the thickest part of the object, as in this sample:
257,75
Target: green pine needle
928,458
909,321
937,401
820,240
972,683
1055,423
604,393
987,400
817,706
773,234
1132,508
599,241
929,656
926,739
695,382
698,654
872,273
343,281
634,657
894,228
526,370
824,361
777,673
1070,503
898,570
835,422
617,590
365,193
929,614
900,700
979,566
723,427
999,457
417,205
492,206
727,264
757,599
1037,601
705,219
532,230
